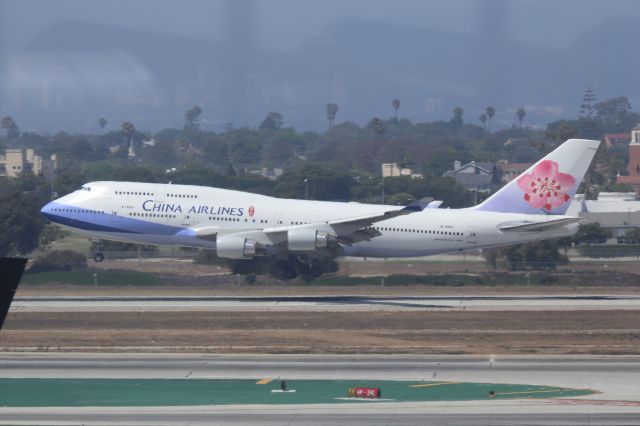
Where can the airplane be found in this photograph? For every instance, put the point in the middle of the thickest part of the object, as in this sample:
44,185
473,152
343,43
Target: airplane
296,233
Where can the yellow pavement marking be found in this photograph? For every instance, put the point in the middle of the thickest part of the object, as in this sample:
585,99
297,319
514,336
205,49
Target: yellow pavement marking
264,381
428,385
525,392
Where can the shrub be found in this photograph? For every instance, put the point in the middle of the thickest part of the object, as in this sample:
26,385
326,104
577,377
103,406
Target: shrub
59,260
208,257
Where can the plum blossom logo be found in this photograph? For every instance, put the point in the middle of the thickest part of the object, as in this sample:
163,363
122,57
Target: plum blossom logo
546,187
252,211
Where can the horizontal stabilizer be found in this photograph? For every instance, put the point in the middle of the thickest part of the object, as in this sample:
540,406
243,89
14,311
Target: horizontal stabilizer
539,226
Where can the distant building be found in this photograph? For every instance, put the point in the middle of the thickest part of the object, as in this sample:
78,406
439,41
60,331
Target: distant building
633,167
393,170
273,174
617,211
15,161
510,171
131,153
616,139
475,176
517,141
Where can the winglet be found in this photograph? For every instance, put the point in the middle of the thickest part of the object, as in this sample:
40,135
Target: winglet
418,205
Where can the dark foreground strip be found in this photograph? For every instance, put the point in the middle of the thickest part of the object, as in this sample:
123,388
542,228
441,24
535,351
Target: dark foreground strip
11,269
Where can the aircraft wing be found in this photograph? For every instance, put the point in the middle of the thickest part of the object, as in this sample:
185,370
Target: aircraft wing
539,226
343,231
204,232
354,229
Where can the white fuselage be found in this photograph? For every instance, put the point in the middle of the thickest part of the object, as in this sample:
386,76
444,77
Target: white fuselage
148,213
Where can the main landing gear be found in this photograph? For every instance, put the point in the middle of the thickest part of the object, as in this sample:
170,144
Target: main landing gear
305,266
97,255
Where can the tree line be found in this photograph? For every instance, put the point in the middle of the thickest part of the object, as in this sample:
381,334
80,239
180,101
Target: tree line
342,163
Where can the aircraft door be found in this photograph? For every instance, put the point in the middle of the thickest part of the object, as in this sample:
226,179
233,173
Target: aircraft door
114,217
472,236
278,219
112,211
159,194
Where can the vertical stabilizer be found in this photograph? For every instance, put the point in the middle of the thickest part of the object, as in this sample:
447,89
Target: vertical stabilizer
548,186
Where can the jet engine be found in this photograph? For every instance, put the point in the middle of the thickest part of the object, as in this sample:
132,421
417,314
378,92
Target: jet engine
307,239
235,247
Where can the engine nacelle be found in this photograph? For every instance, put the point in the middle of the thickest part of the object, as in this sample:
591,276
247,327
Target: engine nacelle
235,247
307,239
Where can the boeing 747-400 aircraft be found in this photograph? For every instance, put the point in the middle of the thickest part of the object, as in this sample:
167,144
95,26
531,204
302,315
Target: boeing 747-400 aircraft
241,225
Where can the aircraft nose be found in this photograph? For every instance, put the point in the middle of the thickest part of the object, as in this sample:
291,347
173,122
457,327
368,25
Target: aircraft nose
46,210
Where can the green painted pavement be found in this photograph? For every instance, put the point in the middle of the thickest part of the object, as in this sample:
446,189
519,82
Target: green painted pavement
169,392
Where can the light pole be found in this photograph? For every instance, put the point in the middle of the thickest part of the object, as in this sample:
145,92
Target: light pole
306,189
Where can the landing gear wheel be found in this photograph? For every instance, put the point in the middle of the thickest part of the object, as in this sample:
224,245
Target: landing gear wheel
98,257
284,269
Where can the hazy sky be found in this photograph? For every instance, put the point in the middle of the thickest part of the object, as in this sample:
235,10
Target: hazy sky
508,52
285,24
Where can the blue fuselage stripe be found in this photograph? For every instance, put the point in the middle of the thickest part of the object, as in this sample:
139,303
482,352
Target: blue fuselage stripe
90,220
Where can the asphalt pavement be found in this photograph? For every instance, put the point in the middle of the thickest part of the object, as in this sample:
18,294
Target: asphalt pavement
617,380
322,303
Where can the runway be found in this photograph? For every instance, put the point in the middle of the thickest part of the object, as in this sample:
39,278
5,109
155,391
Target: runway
617,378
432,415
323,303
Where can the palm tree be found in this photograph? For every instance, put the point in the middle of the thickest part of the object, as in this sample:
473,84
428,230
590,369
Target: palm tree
483,119
396,105
102,122
456,121
521,113
377,126
128,130
192,119
332,110
490,111
11,126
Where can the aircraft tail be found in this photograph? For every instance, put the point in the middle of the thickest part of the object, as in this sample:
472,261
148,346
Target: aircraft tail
548,186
